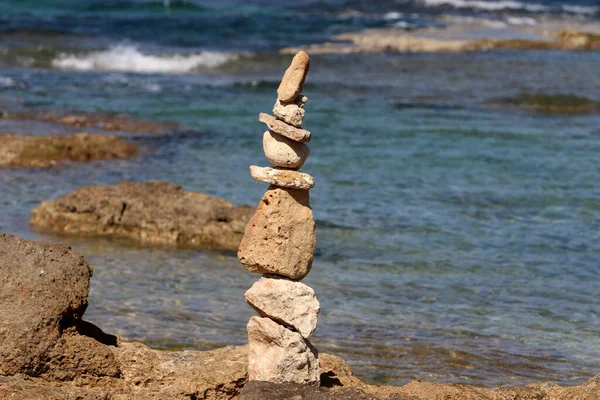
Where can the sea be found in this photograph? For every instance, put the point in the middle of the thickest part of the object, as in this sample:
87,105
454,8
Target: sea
458,233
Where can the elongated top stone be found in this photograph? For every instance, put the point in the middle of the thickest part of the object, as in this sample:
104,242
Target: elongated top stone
290,132
282,177
293,80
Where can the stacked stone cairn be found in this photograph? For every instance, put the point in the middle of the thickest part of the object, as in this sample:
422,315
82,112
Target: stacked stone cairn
279,243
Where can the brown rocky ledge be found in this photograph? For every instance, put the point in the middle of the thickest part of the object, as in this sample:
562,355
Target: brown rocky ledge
153,213
47,351
48,151
103,121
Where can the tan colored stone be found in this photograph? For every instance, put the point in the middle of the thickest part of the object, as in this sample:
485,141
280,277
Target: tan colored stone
276,354
291,113
289,303
284,152
282,177
152,213
293,79
290,132
280,237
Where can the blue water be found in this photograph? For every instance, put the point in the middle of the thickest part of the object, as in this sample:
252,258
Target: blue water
457,236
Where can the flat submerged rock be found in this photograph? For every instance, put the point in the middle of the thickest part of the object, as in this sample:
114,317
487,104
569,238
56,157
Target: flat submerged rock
48,151
153,213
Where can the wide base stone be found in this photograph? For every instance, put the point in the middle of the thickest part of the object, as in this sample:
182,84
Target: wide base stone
277,354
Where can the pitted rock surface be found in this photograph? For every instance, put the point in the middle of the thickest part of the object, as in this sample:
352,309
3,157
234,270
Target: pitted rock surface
280,238
287,302
276,354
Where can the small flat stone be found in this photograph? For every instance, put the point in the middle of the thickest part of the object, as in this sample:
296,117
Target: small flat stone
293,79
280,237
291,113
284,152
287,302
290,132
282,177
277,354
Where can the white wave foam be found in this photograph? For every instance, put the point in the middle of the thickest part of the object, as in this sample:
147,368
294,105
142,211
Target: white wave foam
129,58
521,21
486,5
581,9
6,81
393,15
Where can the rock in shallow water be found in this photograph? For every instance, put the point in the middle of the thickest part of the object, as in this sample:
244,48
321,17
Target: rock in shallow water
280,237
284,152
151,213
293,79
291,113
289,303
282,177
276,354
48,151
290,132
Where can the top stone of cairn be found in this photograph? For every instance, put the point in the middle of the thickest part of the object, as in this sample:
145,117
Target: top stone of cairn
293,79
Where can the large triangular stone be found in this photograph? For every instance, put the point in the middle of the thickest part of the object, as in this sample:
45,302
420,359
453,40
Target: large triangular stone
280,237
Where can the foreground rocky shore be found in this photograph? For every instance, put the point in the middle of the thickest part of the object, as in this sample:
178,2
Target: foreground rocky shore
48,351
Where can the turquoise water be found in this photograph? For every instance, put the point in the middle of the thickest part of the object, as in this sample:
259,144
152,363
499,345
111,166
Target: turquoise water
457,236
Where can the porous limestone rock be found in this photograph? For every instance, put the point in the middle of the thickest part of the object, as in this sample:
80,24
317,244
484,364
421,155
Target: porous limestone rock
282,177
280,237
290,132
293,79
291,113
152,213
289,303
277,354
260,390
43,295
49,151
284,152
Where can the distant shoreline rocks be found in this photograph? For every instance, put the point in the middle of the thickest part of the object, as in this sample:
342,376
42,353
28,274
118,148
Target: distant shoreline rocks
153,213
558,103
49,151
448,40
102,121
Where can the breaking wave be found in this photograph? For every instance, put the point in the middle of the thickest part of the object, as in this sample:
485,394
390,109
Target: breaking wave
6,82
511,5
486,5
129,58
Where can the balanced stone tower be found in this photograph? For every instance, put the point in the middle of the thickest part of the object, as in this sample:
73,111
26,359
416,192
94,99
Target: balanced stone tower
279,243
